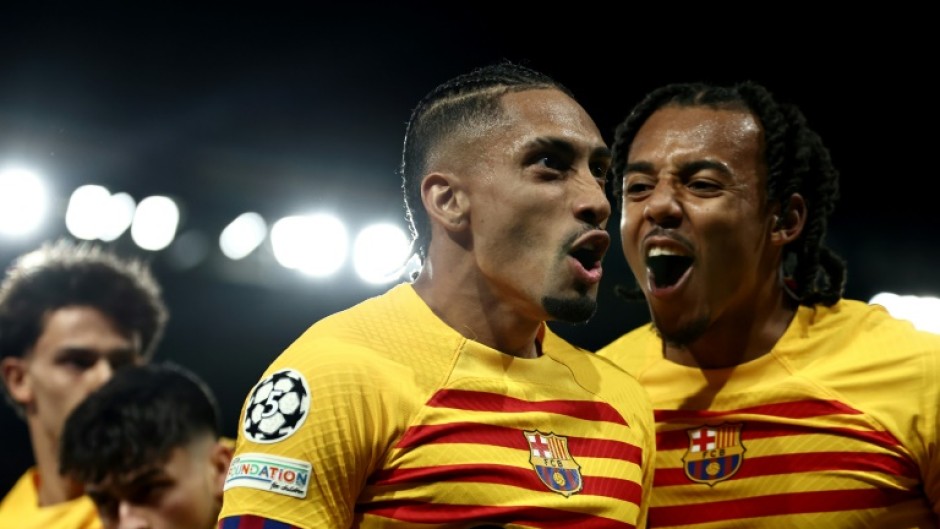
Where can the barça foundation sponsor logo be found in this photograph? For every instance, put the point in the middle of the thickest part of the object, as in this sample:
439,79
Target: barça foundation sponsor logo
549,456
715,453
281,475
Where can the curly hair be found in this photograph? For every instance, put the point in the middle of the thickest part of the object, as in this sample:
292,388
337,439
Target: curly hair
135,420
64,273
797,162
455,106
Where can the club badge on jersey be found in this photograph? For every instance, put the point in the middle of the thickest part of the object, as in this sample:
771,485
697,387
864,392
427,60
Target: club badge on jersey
715,453
553,463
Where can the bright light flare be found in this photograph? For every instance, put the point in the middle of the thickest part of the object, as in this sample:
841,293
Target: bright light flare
23,202
94,213
313,244
243,235
119,212
922,311
380,253
155,223
83,218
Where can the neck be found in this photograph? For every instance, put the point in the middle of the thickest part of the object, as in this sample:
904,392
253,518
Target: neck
52,487
739,336
472,308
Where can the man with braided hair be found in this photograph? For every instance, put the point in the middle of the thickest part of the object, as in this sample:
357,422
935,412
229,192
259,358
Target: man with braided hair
778,403
448,402
70,315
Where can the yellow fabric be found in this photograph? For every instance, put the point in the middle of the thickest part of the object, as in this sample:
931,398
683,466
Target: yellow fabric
837,427
411,422
20,509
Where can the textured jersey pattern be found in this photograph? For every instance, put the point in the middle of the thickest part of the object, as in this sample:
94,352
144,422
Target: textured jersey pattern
411,423
835,428
20,509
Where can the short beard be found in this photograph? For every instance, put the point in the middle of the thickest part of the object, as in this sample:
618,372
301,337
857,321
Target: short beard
685,336
578,310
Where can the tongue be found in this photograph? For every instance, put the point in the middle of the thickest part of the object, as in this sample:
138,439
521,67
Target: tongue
667,269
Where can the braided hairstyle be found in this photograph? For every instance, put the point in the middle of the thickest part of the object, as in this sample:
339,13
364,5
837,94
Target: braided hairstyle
797,162
463,103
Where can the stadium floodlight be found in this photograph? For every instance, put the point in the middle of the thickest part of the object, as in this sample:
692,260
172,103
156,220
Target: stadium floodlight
94,213
84,216
118,215
380,253
922,311
243,235
23,202
155,223
313,244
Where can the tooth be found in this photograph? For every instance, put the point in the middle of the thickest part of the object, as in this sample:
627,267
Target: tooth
658,250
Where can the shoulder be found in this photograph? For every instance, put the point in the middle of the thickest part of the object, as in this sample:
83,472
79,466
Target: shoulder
360,337
643,335
868,327
634,350
24,490
596,373
389,343
853,343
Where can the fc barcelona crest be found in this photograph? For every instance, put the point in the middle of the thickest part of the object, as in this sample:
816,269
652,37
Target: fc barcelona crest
715,453
549,456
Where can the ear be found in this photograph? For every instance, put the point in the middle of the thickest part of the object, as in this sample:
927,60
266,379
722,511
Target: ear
445,200
220,457
13,370
788,228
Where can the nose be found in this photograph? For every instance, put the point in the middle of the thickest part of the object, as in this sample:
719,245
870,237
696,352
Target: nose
101,372
662,207
130,518
592,206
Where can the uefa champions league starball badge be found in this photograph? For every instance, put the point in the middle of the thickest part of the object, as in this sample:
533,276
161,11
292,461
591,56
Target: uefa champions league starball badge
277,407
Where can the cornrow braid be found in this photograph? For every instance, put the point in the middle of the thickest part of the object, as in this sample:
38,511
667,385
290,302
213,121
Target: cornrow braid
797,162
455,106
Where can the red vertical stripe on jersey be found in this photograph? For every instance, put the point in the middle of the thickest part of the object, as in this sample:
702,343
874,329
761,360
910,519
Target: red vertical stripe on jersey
776,504
420,512
726,437
493,402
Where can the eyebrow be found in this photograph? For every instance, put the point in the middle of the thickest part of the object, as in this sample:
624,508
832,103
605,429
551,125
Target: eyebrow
638,167
138,481
118,356
566,147
684,168
131,486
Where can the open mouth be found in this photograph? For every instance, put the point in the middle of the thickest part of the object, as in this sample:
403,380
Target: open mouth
666,266
590,251
587,257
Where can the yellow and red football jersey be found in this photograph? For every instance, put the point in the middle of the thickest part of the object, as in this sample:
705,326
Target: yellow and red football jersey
836,427
384,416
20,509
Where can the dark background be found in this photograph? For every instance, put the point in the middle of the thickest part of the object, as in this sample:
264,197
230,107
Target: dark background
285,109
